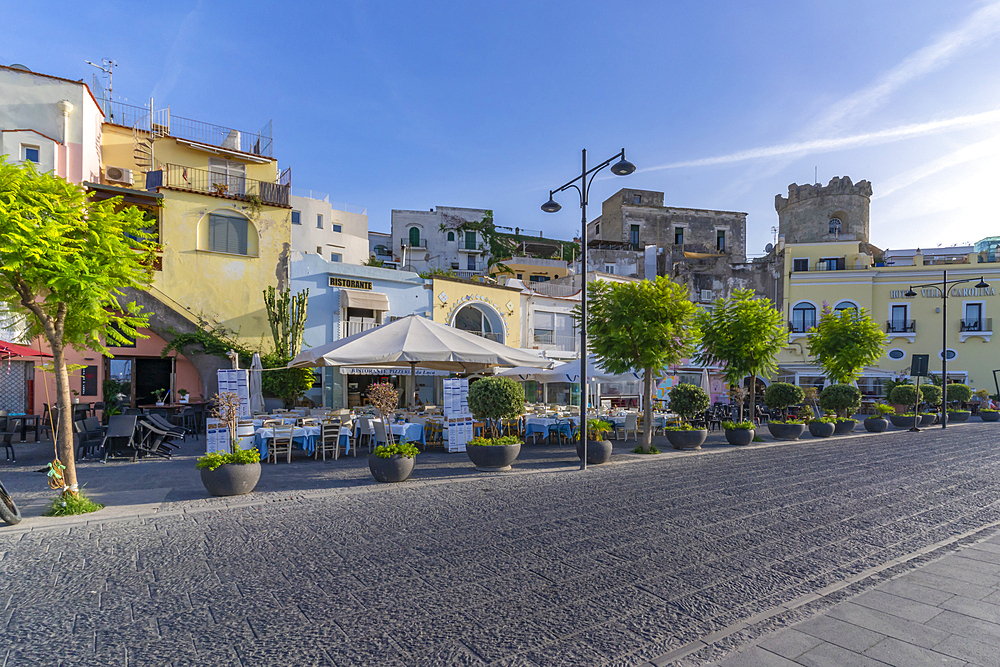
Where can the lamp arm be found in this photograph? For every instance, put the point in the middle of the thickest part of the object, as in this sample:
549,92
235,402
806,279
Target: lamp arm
583,176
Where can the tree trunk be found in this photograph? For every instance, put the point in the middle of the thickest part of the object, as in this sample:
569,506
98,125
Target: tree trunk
753,396
64,437
647,410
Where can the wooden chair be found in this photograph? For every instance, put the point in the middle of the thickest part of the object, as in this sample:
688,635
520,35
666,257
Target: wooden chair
281,444
329,441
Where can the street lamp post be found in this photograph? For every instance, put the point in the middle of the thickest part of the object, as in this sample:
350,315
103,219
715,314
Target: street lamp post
945,283
620,168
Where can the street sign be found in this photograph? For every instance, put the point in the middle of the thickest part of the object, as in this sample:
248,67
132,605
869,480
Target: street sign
919,364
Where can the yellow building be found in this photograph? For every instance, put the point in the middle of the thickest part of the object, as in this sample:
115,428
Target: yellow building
489,310
533,270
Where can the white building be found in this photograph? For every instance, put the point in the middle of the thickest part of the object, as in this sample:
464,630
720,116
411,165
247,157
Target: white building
423,240
51,121
380,248
338,232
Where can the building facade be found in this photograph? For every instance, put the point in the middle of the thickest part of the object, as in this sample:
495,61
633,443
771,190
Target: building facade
425,240
338,232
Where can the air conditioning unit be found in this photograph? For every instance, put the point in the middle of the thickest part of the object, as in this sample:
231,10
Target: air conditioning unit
118,175
706,295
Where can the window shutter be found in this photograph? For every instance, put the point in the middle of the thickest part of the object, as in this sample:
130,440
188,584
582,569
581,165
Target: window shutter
841,263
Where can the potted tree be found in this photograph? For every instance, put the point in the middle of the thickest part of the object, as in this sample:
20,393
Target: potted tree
844,400
932,398
688,401
989,414
957,394
391,463
160,394
822,427
739,434
183,396
878,423
598,448
779,396
385,397
490,400
236,471
905,395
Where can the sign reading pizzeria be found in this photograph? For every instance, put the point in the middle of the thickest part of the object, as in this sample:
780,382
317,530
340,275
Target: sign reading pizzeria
350,282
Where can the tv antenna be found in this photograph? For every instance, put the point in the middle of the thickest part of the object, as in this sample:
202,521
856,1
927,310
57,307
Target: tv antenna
107,66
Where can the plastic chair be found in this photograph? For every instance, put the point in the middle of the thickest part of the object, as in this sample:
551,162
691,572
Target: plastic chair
631,424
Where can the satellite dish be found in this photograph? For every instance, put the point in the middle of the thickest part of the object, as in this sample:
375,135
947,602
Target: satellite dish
20,67
769,247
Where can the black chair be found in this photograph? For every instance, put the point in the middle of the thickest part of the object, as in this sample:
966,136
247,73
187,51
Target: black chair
154,441
87,441
161,423
121,437
134,411
189,420
7,440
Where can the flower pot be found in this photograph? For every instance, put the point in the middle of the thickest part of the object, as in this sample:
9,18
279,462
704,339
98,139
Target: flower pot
740,436
687,440
598,451
396,468
900,421
989,416
958,415
843,427
786,431
822,429
492,458
876,424
184,398
927,419
159,403
231,479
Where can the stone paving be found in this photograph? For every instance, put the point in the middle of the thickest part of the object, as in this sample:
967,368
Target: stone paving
678,559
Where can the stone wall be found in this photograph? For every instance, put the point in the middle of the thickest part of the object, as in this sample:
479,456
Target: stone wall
804,216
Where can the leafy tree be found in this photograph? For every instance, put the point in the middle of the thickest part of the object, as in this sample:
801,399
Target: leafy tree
780,395
641,326
744,334
65,260
906,394
495,398
932,394
689,400
844,399
844,342
373,261
958,393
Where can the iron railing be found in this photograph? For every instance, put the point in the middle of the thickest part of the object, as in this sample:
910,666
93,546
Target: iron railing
901,326
561,343
459,273
980,324
486,334
227,186
800,327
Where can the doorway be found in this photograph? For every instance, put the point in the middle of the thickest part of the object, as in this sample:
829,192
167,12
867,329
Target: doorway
151,374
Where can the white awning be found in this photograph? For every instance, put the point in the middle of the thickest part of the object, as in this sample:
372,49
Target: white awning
350,298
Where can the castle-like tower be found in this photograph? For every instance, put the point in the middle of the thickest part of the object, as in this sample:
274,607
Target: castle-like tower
816,213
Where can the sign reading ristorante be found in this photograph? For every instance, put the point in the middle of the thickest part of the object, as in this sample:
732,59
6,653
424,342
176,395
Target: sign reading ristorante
350,282
935,292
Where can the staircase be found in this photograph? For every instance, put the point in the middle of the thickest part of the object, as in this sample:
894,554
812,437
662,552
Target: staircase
148,129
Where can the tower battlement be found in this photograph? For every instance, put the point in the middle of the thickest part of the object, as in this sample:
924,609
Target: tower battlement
838,185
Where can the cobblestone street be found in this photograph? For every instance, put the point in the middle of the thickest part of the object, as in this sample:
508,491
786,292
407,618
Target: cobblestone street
620,565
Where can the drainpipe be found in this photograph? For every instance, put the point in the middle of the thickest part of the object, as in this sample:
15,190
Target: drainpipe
65,106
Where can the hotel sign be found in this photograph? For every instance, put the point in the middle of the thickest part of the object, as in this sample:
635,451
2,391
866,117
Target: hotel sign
935,292
350,282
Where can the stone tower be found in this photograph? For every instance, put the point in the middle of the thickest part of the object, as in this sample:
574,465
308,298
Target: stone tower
816,213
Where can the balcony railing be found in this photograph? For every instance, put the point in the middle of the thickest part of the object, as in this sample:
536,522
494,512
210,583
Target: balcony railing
901,326
981,324
350,328
800,327
405,243
549,340
485,334
189,179
466,274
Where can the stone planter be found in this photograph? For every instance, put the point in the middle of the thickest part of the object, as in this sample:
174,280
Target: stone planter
786,431
844,427
396,468
687,440
489,458
876,424
740,436
927,419
900,421
958,416
989,416
598,451
231,479
821,429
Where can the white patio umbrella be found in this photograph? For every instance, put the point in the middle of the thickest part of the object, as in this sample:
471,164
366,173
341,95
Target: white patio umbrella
570,372
522,373
256,390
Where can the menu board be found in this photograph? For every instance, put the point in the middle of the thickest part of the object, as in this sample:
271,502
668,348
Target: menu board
237,381
456,396
459,432
217,436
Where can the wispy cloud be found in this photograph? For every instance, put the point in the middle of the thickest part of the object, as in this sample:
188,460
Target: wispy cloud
840,143
179,48
987,148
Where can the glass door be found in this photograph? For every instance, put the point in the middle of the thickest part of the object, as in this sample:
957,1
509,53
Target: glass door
973,316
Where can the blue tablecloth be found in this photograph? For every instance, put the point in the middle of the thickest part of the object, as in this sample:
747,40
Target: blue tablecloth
413,432
304,438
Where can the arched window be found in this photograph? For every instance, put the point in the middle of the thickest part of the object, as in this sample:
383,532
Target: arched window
451,236
231,233
835,225
803,317
415,237
846,305
480,319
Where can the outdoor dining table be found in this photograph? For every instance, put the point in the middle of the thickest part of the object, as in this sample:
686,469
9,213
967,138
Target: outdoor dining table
541,424
303,436
413,432
258,422
27,421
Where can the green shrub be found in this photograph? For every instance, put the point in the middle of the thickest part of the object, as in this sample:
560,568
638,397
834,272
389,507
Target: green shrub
825,419
738,426
404,449
689,400
680,427
841,398
596,428
931,394
959,393
905,394
780,395
213,460
881,409
640,450
70,505
496,398
495,442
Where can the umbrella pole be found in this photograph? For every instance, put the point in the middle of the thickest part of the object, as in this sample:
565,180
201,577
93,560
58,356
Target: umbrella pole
413,384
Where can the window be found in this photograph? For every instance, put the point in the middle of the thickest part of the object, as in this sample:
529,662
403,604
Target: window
973,317
381,251
296,217
597,229
803,317
846,305
472,263
470,240
319,250
678,236
832,264
636,199
454,266
897,354
800,264
338,228
336,257
227,232
950,352
228,176
609,268
898,321
414,237
29,153
520,276
634,235
720,240
451,236
835,225
538,279
319,221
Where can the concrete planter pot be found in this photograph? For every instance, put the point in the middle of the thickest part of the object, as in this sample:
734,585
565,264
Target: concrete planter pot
821,429
396,468
598,451
844,427
488,458
958,416
989,416
740,437
927,419
876,424
687,440
904,422
786,431
231,479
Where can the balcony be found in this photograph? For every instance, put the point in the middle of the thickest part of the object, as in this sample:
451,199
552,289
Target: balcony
464,247
978,325
800,327
203,181
350,327
901,326
420,243
468,275
546,340
497,337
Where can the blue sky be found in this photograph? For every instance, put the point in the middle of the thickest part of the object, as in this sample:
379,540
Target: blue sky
721,105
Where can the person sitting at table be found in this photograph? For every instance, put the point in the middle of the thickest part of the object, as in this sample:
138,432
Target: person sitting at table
417,403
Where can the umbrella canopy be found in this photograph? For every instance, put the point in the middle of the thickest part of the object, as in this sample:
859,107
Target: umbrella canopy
256,382
522,373
417,341
570,372
14,350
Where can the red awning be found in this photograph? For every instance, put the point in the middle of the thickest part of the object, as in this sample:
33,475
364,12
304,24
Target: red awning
14,350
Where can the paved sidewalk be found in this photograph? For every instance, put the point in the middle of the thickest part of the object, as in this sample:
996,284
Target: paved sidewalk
946,612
